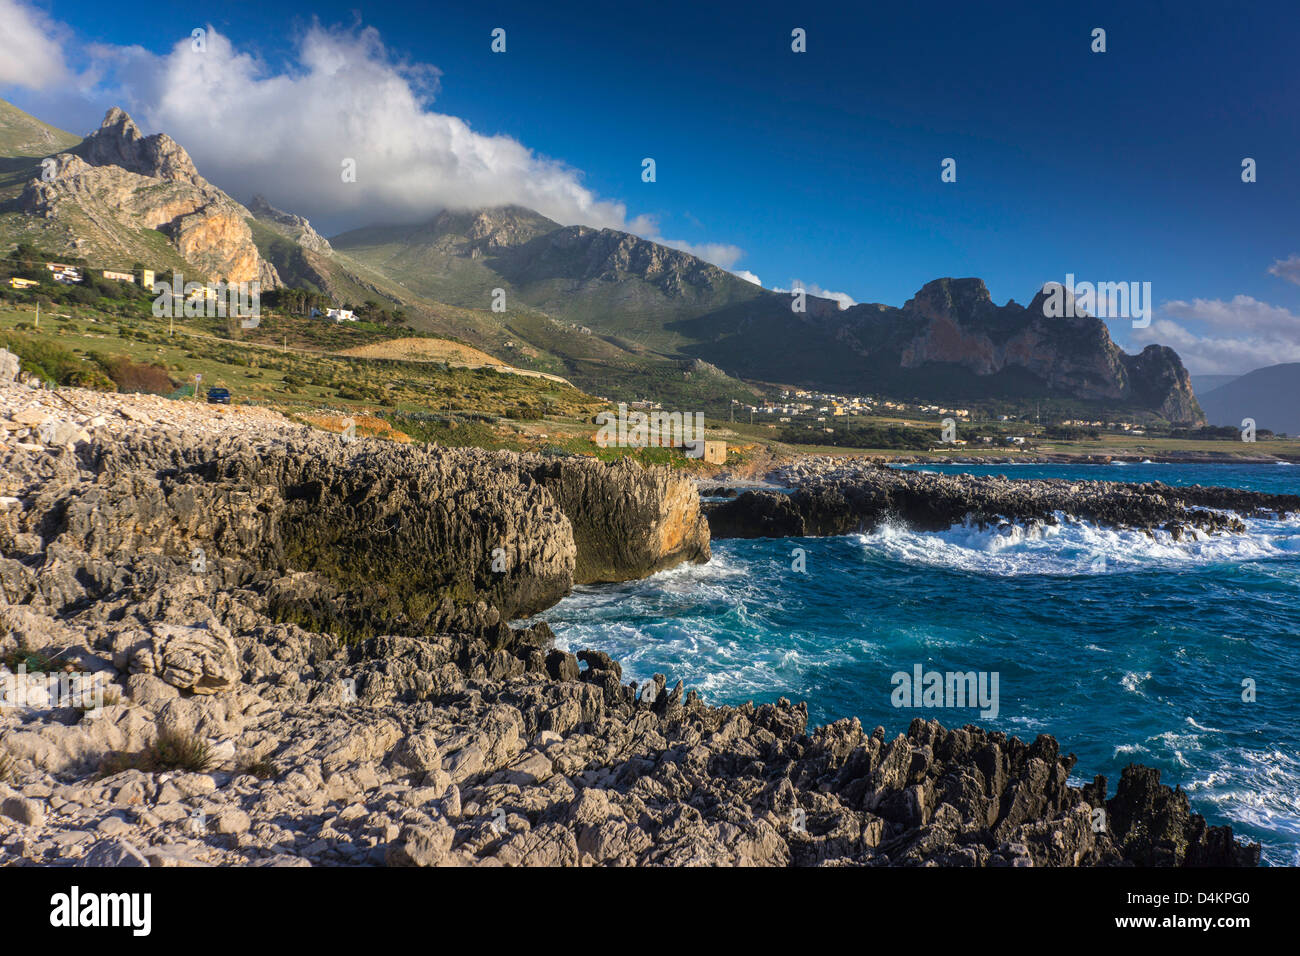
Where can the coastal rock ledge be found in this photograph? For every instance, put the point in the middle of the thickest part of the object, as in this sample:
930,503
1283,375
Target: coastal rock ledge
859,498
305,660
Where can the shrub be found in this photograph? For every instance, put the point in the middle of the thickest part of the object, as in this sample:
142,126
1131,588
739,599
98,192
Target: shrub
261,768
171,750
52,362
137,377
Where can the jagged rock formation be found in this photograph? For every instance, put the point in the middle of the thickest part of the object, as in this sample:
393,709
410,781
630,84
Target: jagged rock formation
472,744
293,227
360,537
959,325
861,498
627,522
948,342
119,142
118,182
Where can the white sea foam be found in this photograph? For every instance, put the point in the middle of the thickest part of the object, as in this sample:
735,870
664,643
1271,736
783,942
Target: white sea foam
1078,547
1133,681
716,627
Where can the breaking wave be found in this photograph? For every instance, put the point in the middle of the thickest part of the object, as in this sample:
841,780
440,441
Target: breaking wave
1126,647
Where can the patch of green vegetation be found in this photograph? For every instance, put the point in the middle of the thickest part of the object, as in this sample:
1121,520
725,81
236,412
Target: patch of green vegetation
170,750
449,431
54,364
894,437
34,662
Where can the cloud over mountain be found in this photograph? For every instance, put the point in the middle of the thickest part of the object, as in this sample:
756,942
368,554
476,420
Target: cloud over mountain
843,299
344,102
30,52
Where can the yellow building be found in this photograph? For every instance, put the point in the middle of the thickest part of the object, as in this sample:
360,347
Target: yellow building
17,283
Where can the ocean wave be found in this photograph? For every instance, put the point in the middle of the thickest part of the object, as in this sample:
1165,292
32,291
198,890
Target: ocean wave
1260,791
1078,547
1094,660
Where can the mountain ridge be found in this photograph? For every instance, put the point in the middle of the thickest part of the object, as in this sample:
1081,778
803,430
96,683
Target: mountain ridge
949,337
587,303
117,192
1270,396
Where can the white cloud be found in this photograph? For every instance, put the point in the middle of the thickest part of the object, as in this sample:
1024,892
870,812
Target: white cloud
719,253
1242,312
747,276
31,55
843,299
1215,336
1288,269
286,133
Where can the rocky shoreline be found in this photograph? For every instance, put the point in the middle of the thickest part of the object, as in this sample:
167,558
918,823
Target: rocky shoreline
306,660
833,497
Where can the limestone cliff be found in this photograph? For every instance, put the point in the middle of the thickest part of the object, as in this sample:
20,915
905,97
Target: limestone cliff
355,538
953,326
118,183
627,521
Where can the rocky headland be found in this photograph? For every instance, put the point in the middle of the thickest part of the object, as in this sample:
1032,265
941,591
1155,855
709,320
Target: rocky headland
304,648
832,497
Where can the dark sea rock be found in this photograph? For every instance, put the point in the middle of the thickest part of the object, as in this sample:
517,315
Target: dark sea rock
862,501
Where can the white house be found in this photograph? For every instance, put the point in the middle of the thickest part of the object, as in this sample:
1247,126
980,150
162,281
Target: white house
338,315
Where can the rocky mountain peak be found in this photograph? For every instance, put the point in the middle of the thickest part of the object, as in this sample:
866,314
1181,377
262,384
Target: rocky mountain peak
118,180
952,299
503,227
119,142
299,228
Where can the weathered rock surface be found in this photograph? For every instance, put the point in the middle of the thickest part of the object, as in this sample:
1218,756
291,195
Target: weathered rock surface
627,521
293,226
472,744
9,366
358,537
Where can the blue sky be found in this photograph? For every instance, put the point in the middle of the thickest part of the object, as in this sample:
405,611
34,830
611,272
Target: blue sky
822,167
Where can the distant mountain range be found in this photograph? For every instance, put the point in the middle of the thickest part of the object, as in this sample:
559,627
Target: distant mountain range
1201,384
949,342
1270,396
604,308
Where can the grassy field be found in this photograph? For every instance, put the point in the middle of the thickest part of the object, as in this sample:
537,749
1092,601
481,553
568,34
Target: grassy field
294,365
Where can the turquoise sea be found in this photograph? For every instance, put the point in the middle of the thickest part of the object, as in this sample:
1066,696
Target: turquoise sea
1125,648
